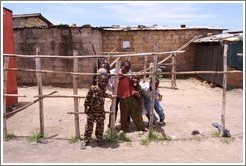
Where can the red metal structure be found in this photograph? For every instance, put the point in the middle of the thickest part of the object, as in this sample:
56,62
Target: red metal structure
8,48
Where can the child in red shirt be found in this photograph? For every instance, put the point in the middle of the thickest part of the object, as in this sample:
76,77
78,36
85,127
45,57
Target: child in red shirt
129,105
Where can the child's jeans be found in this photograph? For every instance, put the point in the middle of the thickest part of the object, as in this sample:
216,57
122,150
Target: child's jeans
157,107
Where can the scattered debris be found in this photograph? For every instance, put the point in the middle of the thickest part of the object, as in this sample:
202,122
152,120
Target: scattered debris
43,141
217,125
173,137
226,133
196,132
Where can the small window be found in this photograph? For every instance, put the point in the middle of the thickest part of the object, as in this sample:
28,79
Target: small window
126,45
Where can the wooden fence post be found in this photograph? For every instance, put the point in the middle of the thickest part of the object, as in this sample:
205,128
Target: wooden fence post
153,92
173,76
113,105
5,78
224,87
75,92
40,91
145,67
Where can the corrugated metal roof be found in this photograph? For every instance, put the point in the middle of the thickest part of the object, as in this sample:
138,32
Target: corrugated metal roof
220,37
154,27
232,39
32,15
27,15
7,9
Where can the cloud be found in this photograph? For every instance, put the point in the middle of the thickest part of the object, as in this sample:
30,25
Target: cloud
135,13
131,14
151,13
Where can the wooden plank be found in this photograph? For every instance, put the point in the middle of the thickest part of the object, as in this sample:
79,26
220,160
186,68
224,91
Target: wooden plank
213,63
209,59
216,51
199,59
197,50
219,65
203,60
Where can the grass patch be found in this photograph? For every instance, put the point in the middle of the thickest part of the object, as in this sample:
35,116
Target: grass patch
154,137
117,136
215,133
36,137
129,143
145,141
227,140
10,135
197,138
166,138
73,139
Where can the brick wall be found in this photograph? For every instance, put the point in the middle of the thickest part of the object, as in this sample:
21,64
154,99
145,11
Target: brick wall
166,40
62,41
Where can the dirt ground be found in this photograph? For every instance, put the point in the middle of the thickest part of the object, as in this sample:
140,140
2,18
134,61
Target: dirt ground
194,105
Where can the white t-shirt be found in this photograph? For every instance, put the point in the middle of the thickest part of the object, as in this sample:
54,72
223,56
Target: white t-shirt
146,91
112,79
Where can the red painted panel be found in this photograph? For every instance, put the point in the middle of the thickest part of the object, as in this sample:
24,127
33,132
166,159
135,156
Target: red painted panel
8,47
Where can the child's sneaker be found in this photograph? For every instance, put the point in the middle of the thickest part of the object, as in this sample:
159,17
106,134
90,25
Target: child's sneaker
161,122
153,124
99,142
82,145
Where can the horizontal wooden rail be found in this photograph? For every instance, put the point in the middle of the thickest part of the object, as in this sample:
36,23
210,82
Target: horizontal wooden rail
61,96
27,105
85,113
133,73
91,56
14,95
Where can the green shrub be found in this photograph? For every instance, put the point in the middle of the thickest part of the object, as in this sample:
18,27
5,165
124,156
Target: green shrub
73,139
227,140
154,136
36,137
215,133
114,137
10,135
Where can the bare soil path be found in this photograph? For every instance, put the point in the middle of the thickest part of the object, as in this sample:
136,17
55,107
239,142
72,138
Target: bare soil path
193,106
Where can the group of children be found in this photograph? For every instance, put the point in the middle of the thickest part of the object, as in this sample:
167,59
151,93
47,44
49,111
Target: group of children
133,97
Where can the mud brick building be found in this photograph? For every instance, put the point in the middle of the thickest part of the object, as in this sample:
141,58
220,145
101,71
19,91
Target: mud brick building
87,40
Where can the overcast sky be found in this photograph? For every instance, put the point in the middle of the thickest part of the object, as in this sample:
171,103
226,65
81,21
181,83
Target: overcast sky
222,14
